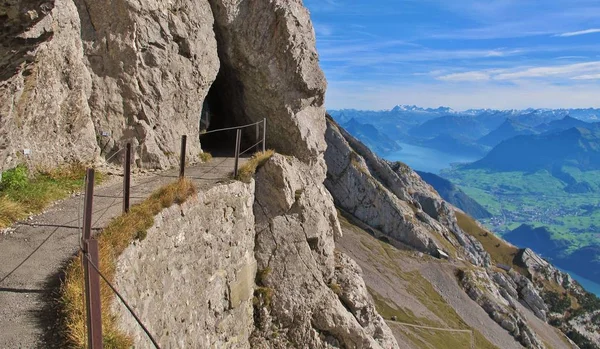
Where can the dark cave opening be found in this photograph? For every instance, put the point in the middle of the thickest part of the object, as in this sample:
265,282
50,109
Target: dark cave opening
222,109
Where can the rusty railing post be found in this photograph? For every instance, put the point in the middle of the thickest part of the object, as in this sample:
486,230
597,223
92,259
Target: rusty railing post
126,178
92,279
264,140
238,139
182,157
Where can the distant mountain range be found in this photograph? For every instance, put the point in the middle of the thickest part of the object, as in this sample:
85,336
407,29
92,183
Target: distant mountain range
562,124
470,132
455,196
456,125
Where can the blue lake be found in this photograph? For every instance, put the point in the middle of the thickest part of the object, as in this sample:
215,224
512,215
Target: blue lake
426,159
589,285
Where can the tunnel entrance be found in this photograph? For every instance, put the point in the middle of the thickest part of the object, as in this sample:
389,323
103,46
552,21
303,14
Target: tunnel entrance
223,109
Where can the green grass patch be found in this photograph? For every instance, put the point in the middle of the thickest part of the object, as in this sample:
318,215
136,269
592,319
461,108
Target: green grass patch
113,240
247,171
23,193
499,250
538,199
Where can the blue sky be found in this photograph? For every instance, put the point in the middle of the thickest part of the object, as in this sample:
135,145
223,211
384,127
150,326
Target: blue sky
459,53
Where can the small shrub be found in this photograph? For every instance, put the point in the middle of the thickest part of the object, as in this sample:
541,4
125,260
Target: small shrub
335,288
262,297
261,275
141,235
205,157
15,178
247,171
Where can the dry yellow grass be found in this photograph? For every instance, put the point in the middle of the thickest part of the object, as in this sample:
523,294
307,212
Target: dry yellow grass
205,157
113,240
247,171
10,212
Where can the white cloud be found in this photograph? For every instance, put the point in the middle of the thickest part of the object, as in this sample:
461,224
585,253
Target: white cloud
581,32
587,77
468,76
554,71
577,71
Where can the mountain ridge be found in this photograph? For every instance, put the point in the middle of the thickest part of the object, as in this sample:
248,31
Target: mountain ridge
577,146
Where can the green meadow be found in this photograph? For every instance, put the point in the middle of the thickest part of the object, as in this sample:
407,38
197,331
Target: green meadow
538,199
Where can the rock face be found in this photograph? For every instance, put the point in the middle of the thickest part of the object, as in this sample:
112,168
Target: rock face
529,295
152,63
392,198
540,268
358,192
308,297
82,78
270,69
88,76
192,278
44,85
499,303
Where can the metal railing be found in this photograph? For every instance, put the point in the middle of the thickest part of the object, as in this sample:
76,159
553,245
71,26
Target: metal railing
261,141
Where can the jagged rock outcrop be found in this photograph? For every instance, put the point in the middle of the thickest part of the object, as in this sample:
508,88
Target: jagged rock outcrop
192,278
529,295
392,198
270,69
499,304
296,224
358,192
540,268
81,78
355,297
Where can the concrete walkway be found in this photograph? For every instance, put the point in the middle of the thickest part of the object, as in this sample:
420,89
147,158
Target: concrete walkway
32,257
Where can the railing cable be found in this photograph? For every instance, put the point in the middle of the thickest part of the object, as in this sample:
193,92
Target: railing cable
230,128
254,146
137,319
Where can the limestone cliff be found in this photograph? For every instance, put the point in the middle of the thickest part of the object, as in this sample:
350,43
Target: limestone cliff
318,297
80,78
392,198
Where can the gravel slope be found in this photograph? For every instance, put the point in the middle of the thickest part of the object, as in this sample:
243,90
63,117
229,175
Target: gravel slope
380,276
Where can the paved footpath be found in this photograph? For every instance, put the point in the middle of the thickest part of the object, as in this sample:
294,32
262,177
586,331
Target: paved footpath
31,257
